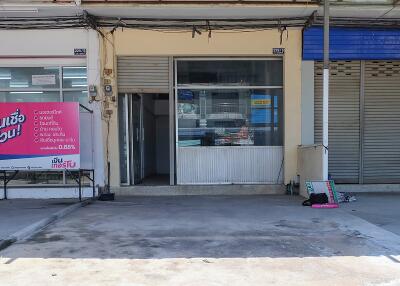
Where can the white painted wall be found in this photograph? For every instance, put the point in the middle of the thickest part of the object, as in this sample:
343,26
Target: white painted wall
43,43
56,47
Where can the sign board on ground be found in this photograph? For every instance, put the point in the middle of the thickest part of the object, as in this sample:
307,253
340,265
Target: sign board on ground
38,136
320,187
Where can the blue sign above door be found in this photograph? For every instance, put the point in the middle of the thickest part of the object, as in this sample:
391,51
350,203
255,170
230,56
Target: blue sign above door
353,44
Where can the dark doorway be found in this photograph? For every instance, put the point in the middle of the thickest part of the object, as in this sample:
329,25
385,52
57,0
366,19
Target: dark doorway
144,139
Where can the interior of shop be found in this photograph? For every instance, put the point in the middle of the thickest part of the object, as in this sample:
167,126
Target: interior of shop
155,139
145,142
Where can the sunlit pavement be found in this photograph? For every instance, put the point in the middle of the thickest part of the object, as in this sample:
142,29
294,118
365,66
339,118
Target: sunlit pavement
241,240
382,209
19,213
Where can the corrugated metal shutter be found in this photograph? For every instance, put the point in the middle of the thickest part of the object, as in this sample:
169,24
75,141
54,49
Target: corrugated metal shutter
344,118
143,74
381,150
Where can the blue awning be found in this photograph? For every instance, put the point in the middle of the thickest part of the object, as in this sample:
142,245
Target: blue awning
353,44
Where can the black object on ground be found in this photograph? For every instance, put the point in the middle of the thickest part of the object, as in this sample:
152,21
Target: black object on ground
316,199
107,197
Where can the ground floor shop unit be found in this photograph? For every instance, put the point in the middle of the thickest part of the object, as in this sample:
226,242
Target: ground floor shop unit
226,124
56,66
364,103
204,112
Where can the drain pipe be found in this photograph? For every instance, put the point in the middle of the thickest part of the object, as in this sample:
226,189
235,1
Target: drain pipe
325,98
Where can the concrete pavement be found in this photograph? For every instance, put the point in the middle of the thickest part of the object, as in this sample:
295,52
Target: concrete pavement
17,214
381,209
241,240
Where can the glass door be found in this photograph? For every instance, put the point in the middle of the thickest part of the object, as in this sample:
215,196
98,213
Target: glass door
136,139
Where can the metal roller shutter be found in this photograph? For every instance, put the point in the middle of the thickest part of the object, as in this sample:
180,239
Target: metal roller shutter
381,146
143,74
344,118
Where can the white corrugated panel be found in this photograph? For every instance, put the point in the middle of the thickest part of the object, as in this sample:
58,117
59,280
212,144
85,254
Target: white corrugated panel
143,74
344,118
381,152
230,165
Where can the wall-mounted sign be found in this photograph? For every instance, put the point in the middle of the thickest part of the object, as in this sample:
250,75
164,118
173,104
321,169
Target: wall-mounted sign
80,52
278,51
44,79
37,136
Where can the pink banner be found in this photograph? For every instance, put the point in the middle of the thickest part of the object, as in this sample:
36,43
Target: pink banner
39,135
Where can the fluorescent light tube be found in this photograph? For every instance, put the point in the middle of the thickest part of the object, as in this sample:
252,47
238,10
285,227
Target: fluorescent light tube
74,77
22,92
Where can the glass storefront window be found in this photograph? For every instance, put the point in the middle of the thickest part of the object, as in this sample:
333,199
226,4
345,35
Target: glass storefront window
29,77
74,77
230,117
241,106
29,96
123,138
43,84
80,96
31,178
230,72
71,176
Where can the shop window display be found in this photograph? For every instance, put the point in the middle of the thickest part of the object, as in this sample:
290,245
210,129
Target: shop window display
222,115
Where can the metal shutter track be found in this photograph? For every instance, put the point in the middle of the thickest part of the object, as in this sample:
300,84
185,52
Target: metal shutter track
344,118
143,74
381,152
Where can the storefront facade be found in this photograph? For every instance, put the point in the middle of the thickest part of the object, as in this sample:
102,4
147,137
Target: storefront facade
53,66
213,102
364,133
194,111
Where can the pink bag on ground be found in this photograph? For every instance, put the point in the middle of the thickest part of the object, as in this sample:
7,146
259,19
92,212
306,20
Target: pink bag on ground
325,206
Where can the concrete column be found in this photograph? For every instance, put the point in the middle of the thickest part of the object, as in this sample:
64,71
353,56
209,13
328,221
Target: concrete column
93,74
